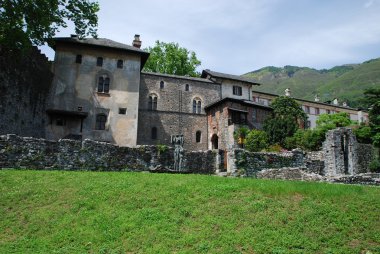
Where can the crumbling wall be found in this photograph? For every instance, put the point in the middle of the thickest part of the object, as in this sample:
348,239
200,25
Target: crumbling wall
25,80
344,155
34,153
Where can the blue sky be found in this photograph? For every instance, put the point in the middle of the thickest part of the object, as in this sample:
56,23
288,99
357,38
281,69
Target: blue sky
244,35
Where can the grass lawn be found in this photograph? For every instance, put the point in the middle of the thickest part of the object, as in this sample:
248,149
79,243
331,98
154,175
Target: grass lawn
116,212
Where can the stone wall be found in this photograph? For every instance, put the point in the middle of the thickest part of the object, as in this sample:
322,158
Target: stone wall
344,155
34,153
25,80
174,114
249,163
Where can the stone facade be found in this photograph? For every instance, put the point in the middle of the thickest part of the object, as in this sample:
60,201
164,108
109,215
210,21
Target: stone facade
174,112
95,91
25,81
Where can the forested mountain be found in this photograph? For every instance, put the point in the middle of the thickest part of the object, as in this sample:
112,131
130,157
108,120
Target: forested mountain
346,82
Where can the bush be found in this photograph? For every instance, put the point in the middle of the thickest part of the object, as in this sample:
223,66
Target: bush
374,166
363,134
256,141
306,139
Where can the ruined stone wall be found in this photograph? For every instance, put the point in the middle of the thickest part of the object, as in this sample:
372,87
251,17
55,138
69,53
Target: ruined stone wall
25,80
344,155
250,163
34,153
174,114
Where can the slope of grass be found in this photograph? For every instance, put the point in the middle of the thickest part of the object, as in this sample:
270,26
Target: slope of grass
101,212
346,82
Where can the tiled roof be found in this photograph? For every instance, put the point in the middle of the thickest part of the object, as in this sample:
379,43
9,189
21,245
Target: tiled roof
177,77
104,43
244,102
215,74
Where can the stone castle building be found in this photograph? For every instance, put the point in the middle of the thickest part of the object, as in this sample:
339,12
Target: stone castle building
99,92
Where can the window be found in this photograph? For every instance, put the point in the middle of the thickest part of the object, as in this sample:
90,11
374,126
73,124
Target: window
154,133
317,111
254,115
307,109
103,84
187,87
328,111
101,120
237,90
152,102
60,122
197,105
122,111
120,64
162,84
99,61
238,117
78,59
198,135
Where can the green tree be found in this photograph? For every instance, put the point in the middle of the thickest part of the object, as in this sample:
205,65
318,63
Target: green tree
285,120
25,22
256,141
331,121
170,58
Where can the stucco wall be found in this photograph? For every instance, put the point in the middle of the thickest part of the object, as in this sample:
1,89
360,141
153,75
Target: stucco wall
75,85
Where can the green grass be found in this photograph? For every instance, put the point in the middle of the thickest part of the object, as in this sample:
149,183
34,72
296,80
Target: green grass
105,212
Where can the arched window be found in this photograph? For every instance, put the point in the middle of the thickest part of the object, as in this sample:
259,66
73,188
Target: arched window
154,133
99,61
197,106
152,102
101,120
187,87
198,135
103,84
120,64
162,84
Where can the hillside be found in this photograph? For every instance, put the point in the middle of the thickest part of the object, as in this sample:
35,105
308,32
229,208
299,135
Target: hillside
346,82
114,212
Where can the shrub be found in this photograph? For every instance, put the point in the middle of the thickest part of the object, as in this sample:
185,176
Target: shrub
363,134
256,141
374,166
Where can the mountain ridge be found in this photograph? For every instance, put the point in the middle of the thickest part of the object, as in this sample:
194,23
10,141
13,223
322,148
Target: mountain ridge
346,82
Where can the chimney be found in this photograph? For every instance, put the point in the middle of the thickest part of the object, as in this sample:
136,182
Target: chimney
316,98
136,42
345,104
287,92
335,101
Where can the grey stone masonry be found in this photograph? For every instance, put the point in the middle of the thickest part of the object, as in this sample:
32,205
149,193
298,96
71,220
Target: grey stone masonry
344,155
34,153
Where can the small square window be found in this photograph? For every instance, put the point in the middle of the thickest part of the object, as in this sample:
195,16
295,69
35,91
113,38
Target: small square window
78,59
99,61
122,111
237,90
60,122
162,84
120,64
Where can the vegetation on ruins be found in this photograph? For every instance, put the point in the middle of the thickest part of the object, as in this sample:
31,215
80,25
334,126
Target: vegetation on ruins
256,141
105,212
27,22
312,139
373,97
170,58
285,120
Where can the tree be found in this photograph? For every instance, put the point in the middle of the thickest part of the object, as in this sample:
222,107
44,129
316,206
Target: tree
25,22
331,121
170,58
256,141
285,120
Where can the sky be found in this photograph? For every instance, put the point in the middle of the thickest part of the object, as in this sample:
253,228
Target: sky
240,36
